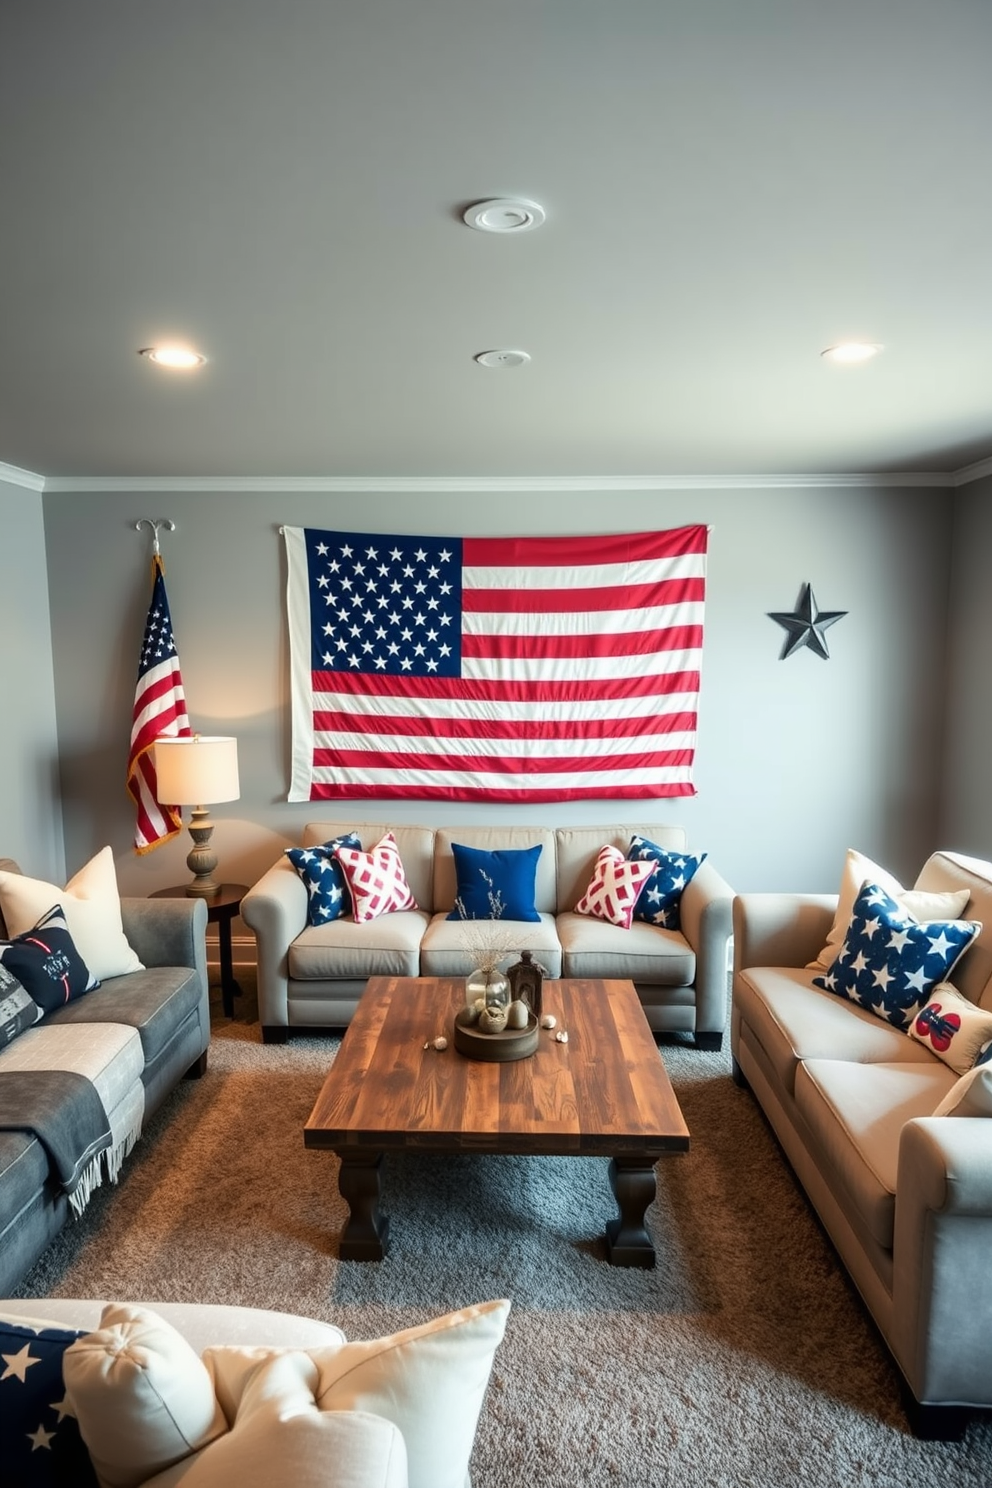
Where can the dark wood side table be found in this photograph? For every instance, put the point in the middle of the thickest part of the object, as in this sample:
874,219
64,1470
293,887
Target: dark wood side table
222,908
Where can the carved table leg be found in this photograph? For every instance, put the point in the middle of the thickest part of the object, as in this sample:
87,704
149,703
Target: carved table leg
627,1239
366,1233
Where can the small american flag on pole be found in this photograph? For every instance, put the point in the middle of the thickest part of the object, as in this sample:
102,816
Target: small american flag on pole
498,669
159,712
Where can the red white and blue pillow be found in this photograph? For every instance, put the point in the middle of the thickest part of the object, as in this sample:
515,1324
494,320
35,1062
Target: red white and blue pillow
40,1444
953,1028
889,962
327,888
614,888
658,902
46,962
376,879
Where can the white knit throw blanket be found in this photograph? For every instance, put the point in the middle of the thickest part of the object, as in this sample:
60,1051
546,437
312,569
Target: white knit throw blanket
107,1163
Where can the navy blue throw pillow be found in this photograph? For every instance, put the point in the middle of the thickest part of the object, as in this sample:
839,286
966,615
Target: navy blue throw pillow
46,963
495,885
890,962
330,897
40,1444
658,902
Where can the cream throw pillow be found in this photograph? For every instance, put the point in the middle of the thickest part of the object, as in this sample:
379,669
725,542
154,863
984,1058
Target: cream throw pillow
952,1027
142,1397
859,870
92,907
969,1096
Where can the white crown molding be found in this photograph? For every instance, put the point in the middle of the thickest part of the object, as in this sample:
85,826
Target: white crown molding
15,476
969,473
291,484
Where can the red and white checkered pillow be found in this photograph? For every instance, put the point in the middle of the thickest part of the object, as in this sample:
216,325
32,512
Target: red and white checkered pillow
376,879
615,887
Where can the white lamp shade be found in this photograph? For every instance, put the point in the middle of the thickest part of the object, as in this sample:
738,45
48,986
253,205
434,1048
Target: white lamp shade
197,771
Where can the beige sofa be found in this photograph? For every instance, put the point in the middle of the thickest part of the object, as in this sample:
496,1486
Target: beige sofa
906,1197
313,976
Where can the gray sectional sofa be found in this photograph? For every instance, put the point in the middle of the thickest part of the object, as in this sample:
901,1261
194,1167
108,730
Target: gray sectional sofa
134,1037
905,1195
313,976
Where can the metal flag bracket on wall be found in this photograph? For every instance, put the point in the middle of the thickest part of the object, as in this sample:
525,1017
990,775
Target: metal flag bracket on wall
155,525
805,625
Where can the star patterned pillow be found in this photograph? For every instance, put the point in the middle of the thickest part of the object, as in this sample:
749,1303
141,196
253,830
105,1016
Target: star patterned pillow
890,962
659,899
614,887
40,1442
376,879
323,875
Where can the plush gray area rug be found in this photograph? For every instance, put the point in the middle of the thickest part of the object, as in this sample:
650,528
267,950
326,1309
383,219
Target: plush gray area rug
744,1360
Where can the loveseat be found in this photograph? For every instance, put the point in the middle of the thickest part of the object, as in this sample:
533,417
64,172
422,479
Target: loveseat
904,1194
131,1038
311,976
207,1396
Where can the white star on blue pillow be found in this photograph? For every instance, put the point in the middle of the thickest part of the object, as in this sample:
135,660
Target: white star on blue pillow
658,901
889,962
329,895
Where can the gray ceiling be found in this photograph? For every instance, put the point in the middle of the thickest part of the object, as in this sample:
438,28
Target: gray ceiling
730,186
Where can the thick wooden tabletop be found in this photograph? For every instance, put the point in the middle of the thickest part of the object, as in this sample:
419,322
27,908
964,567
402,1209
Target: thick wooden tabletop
604,1092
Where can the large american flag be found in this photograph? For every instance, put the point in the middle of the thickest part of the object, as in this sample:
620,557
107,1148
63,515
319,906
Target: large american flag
159,712
499,669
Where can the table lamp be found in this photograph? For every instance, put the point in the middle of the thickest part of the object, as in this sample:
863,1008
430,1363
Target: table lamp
196,772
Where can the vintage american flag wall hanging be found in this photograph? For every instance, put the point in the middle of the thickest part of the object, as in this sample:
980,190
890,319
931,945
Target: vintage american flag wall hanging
494,669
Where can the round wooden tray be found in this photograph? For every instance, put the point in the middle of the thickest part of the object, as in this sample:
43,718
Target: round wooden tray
497,1048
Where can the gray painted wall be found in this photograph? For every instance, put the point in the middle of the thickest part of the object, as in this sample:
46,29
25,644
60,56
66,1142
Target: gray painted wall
797,759
29,784
966,800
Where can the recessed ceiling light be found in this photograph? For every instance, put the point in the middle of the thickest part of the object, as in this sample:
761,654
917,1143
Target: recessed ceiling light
849,352
502,358
504,215
178,358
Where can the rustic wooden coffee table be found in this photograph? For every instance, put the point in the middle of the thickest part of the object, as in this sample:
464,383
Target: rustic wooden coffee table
604,1093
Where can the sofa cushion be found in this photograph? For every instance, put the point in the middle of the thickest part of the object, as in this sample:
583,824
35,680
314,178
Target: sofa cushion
856,1113
109,1054
40,1443
495,885
24,1172
450,947
970,1095
576,850
615,887
376,880
889,962
793,1020
948,870
859,870
388,946
142,1396
494,839
155,1002
416,849
18,1009
328,895
644,953
953,1027
46,962
658,902
92,907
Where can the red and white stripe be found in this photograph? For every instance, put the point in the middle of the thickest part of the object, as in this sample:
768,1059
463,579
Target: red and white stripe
159,713
580,678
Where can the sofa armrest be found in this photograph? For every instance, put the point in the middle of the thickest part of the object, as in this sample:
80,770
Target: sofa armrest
780,929
167,932
705,912
942,1284
275,908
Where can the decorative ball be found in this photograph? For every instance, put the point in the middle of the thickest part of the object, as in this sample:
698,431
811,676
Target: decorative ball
549,1020
561,1037
516,1016
440,1043
492,1019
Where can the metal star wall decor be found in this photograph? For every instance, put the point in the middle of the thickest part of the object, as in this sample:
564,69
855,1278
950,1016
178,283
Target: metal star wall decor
806,624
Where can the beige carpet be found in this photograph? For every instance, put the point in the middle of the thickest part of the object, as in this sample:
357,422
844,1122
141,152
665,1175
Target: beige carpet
743,1361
